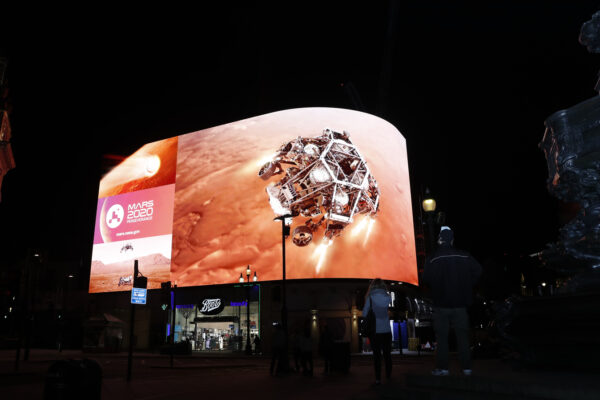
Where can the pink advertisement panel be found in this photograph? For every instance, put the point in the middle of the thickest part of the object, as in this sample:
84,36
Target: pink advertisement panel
135,215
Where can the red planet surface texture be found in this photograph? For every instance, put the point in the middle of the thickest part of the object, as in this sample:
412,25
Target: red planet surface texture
222,219
151,166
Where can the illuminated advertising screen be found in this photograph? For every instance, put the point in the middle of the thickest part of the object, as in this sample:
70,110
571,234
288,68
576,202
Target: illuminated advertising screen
198,208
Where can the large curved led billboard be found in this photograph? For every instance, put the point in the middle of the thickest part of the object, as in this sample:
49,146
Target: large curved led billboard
198,208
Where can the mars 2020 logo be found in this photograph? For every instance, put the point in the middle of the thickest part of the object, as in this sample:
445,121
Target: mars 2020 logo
114,216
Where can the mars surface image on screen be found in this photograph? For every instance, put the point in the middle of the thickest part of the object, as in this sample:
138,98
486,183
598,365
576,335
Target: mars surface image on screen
341,175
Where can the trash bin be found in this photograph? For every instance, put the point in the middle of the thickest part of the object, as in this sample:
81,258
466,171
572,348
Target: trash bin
73,379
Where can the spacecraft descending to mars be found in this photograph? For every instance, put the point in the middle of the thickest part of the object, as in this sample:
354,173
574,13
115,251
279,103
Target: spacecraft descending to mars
347,196
325,180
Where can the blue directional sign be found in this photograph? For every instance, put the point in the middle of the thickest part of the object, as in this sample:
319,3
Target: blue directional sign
138,295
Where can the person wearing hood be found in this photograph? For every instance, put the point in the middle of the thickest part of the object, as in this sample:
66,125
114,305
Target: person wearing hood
378,298
451,274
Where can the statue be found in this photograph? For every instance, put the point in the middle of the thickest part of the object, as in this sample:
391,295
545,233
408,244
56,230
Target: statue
552,330
571,144
589,35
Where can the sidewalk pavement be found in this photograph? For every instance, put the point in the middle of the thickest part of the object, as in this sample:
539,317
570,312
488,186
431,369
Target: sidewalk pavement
226,375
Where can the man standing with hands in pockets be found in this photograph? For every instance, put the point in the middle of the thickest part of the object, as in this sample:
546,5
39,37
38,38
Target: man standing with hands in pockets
451,274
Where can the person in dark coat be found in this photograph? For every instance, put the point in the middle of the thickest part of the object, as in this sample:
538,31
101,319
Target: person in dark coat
257,345
326,347
296,349
306,349
451,274
277,349
378,298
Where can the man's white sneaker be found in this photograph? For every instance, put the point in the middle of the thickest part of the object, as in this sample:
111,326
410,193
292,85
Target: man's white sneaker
440,372
467,372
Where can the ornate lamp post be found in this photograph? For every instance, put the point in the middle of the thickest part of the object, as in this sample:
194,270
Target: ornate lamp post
429,205
254,279
286,221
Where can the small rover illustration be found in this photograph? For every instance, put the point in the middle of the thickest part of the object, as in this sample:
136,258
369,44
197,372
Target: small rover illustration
126,247
126,281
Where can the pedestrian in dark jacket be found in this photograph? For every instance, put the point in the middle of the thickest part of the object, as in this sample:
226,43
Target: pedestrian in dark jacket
378,298
257,345
326,347
451,274
297,349
306,349
278,346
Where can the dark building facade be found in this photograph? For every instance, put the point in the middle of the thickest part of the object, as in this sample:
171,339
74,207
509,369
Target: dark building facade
217,318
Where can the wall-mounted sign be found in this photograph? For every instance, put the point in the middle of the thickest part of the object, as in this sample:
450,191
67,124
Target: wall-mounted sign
138,295
211,306
238,303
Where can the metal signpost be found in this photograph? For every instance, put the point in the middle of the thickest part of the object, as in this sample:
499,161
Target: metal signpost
138,296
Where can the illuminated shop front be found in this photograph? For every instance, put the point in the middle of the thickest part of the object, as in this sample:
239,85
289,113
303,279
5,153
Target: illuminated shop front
219,322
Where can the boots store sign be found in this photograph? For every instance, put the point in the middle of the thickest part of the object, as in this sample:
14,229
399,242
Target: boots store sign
211,306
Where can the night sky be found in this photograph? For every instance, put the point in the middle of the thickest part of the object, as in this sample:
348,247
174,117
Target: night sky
468,87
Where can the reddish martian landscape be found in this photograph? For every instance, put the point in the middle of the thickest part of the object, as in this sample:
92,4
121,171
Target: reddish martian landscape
105,278
223,220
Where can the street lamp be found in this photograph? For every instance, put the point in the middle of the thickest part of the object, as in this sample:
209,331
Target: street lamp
429,205
286,221
248,272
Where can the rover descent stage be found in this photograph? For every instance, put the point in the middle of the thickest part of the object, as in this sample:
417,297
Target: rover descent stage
326,182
